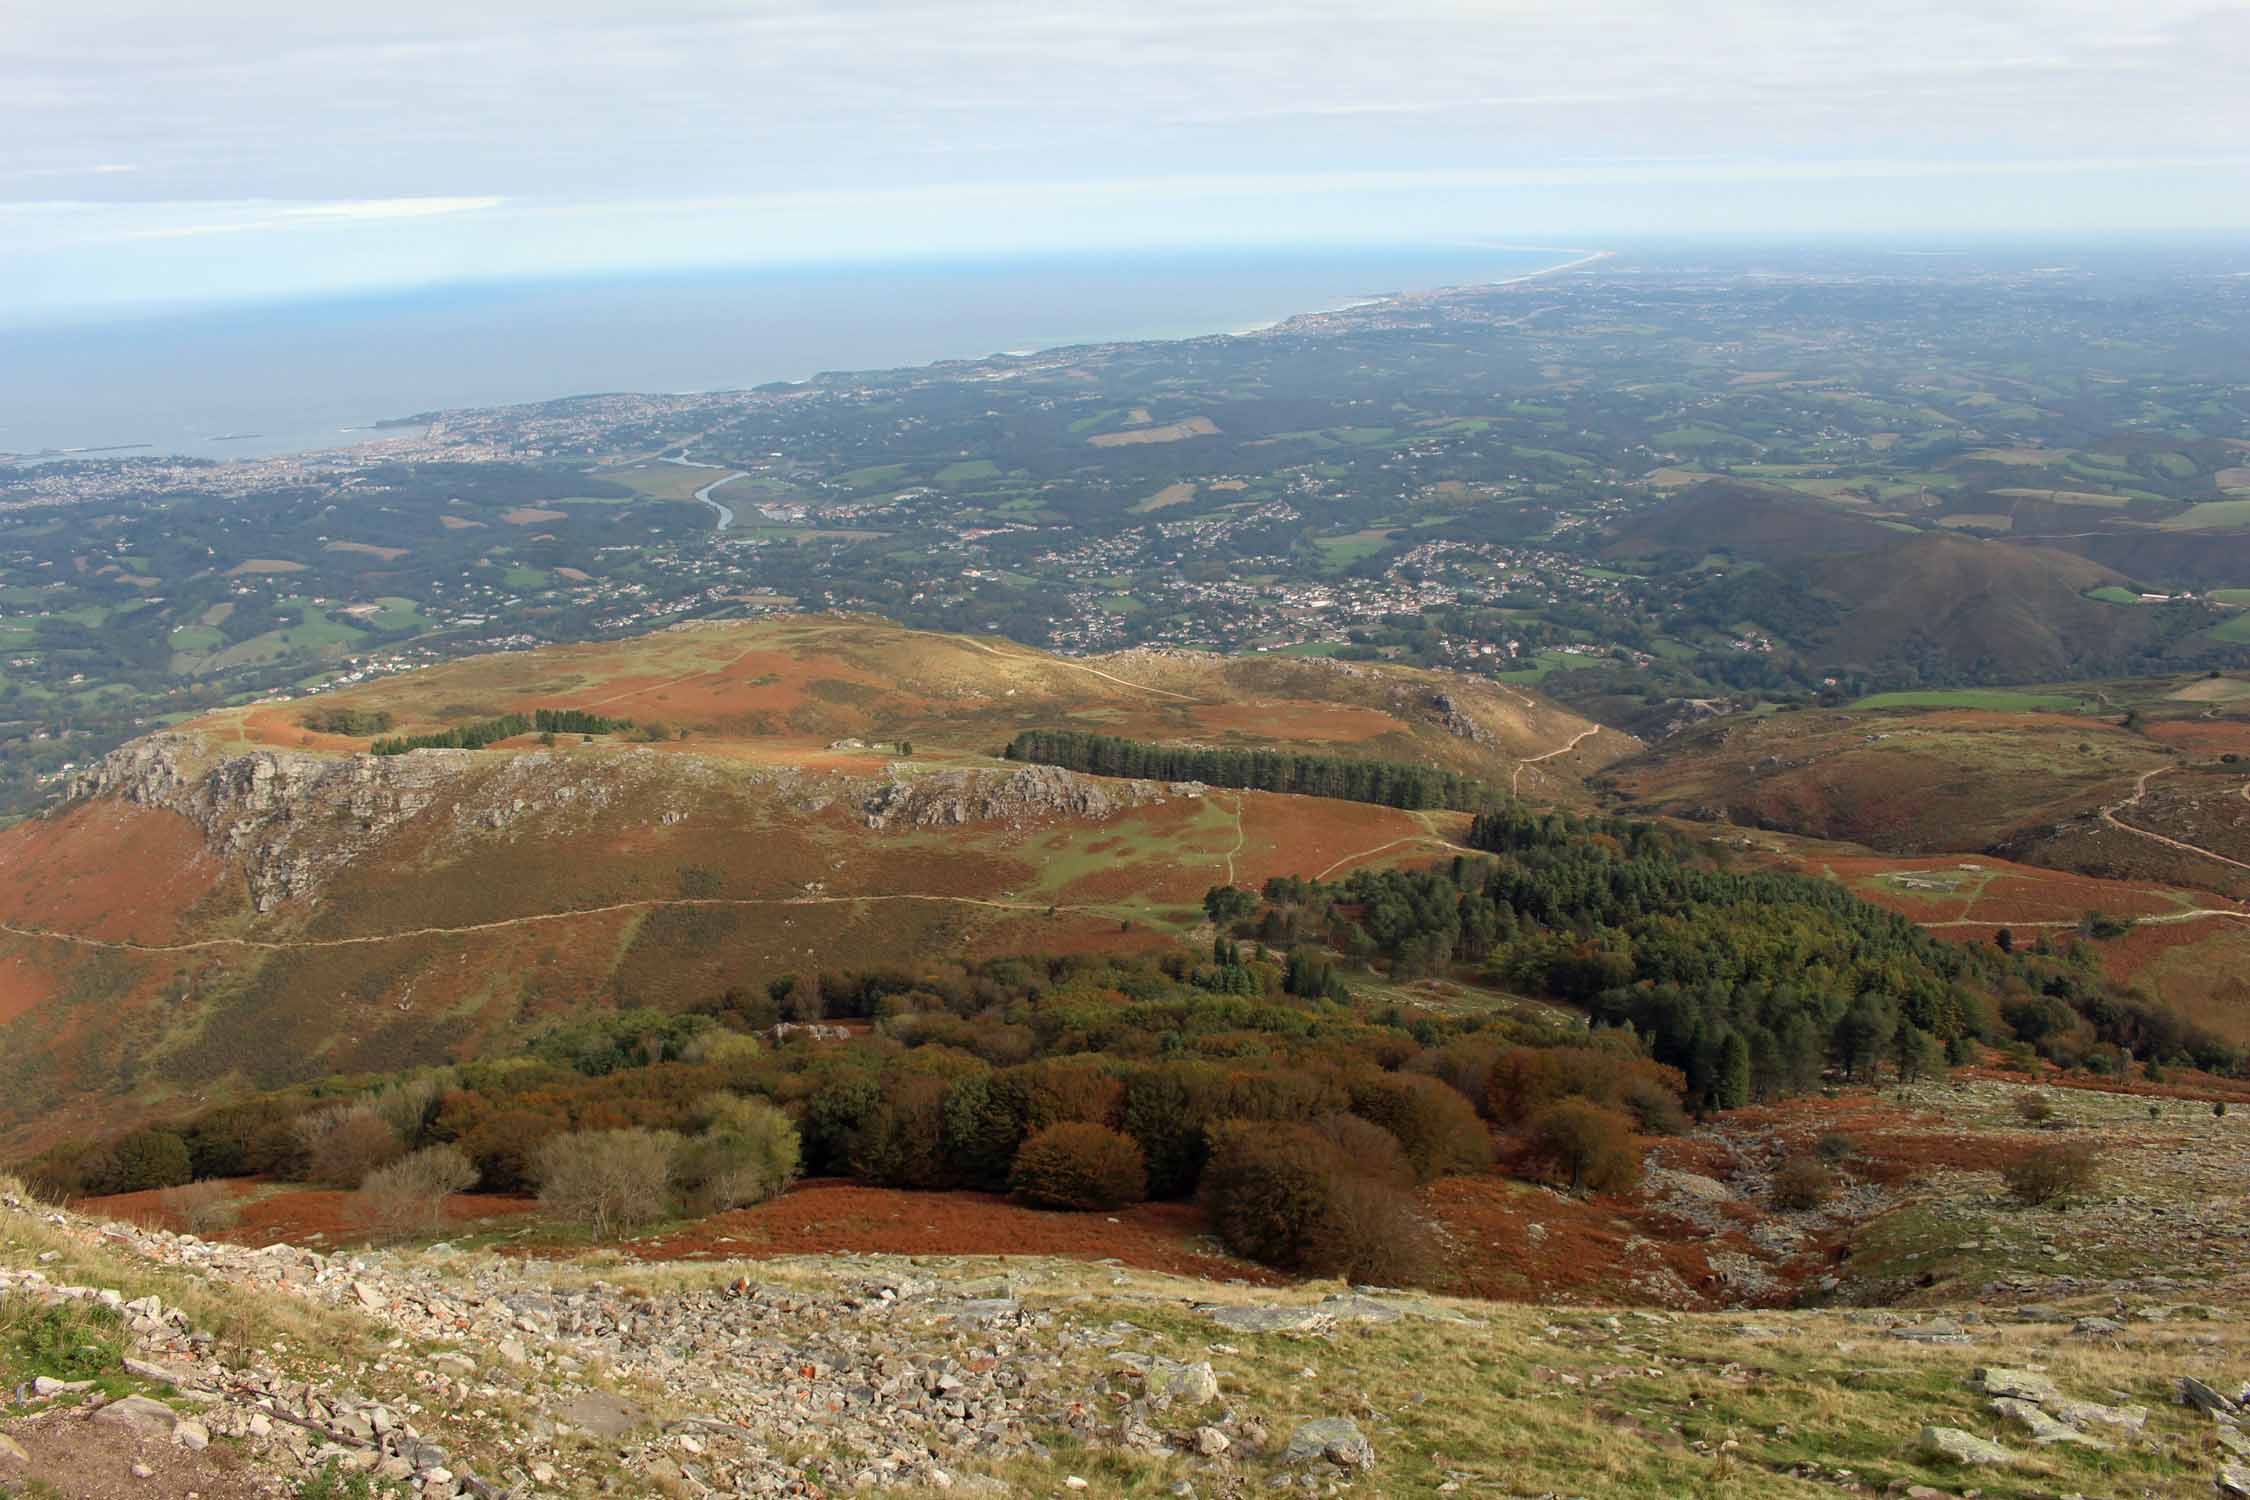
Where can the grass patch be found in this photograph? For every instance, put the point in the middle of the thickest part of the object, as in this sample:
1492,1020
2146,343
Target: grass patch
1992,698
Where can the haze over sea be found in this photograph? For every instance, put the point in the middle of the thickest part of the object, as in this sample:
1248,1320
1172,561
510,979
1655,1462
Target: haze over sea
301,375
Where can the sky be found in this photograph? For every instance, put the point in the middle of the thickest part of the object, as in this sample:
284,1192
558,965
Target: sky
161,153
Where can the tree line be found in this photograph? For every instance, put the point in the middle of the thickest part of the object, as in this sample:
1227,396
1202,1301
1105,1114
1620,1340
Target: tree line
1391,783
1754,984
485,732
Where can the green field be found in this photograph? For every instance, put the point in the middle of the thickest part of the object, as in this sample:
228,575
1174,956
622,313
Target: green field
2111,594
1976,698
2211,515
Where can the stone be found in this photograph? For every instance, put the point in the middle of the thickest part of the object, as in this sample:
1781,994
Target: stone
1352,1309
191,1434
1335,1439
1210,1442
2044,1430
139,1413
1964,1447
2195,1393
601,1414
2233,1482
2125,1419
11,1451
47,1385
1268,1319
1936,1331
162,1374
2020,1385
1197,1385
2097,1327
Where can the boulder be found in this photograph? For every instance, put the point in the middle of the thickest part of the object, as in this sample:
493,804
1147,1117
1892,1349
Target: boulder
2195,1393
139,1413
1964,1447
2125,1419
2044,1430
2233,1482
1268,1319
2019,1385
1338,1440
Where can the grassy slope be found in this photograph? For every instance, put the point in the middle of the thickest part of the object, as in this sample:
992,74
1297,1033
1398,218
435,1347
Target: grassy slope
669,874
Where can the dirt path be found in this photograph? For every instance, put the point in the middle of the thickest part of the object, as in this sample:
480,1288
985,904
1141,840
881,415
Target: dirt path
2170,918
1576,740
2140,790
504,923
1241,838
1075,666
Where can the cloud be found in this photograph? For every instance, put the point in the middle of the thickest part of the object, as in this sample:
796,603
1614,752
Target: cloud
258,217
434,121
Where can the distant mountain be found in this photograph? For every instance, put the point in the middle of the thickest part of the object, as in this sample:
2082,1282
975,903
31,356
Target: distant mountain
1755,522
1967,608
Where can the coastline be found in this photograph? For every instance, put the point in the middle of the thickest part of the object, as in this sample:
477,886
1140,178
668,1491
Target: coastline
359,434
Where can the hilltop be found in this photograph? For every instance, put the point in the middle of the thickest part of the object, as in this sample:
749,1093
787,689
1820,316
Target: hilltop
248,899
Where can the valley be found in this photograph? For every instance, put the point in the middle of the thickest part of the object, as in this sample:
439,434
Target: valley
1670,859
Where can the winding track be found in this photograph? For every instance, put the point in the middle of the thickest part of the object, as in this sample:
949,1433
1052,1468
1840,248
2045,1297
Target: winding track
262,945
1576,740
2140,790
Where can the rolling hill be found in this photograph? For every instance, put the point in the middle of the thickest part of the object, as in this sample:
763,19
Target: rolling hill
248,900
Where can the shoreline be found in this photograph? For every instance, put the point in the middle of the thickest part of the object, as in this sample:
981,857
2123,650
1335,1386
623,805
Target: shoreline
374,430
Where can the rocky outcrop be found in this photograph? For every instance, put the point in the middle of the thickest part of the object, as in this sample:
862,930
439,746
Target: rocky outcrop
288,818
1016,797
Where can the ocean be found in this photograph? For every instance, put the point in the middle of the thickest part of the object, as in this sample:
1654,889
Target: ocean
288,377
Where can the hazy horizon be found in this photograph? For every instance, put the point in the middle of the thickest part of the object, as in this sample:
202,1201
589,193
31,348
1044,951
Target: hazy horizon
248,149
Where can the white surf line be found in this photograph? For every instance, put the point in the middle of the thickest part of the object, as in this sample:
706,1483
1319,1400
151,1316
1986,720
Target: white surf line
1586,259
300,944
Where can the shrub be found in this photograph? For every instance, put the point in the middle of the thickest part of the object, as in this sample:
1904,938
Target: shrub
1072,1091
1656,1110
1268,1189
607,1179
1591,1147
1834,1147
1440,1131
1802,1182
1371,1233
748,1153
1372,1150
145,1159
244,1140
409,1194
1285,1195
2049,1173
1526,1080
1079,1166
2033,1109
202,1208
345,1142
